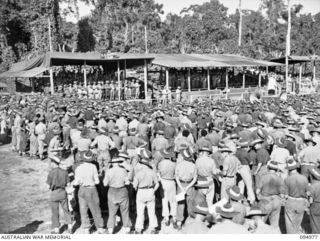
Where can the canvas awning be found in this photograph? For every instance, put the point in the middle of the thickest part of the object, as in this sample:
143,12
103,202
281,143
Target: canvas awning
36,66
24,74
207,61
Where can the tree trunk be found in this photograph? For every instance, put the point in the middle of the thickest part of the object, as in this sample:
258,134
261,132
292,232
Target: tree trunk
126,34
132,34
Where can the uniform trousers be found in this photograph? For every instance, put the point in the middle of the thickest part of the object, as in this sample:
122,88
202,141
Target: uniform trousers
188,201
146,198
14,137
89,199
112,94
33,145
271,205
294,211
225,184
59,197
315,217
41,139
169,191
118,198
210,194
246,182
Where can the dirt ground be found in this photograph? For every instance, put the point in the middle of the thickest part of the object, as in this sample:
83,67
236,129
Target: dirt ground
24,206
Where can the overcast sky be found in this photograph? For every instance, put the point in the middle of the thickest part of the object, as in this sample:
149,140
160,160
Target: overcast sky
175,6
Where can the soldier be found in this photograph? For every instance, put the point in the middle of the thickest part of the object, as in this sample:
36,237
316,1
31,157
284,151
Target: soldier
270,190
166,172
104,144
186,176
146,183
112,90
117,178
103,91
57,181
108,90
137,87
86,176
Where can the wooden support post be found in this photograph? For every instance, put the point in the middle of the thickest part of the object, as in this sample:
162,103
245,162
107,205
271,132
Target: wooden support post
119,83
51,80
167,78
227,79
208,78
85,74
259,79
243,80
145,79
189,80
300,77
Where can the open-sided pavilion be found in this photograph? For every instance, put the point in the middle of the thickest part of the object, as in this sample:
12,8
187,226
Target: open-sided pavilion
122,61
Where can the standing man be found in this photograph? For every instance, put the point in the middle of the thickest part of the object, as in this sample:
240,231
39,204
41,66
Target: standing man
296,188
104,144
40,131
57,181
186,176
243,155
178,94
166,173
269,190
207,169
146,183
117,178
86,176
231,165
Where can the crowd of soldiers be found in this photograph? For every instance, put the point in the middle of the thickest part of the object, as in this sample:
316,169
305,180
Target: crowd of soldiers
222,166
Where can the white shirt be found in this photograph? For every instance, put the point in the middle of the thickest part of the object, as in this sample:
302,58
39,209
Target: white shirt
86,175
102,123
2,126
134,124
272,84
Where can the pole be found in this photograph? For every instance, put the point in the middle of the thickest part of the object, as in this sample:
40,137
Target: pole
119,87
288,45
259,79
49,32
145,79
146,38
167,78
208,78
51,80
85,74
244,80
189,80
300,77
227,79
240,24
